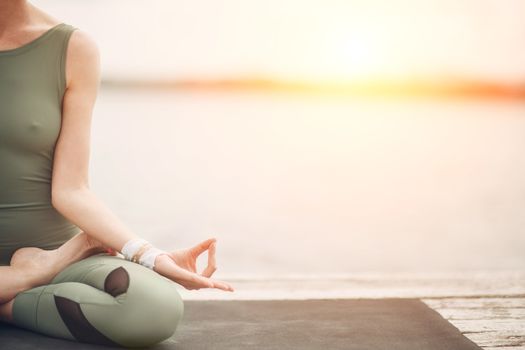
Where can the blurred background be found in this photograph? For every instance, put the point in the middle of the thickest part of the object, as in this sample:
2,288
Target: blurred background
316,137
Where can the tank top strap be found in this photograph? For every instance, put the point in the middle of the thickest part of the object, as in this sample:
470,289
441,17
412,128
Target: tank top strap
63,34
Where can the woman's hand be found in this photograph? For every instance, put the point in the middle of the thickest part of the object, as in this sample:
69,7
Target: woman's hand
180,266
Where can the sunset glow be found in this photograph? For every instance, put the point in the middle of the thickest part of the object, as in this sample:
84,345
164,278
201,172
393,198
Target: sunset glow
347,54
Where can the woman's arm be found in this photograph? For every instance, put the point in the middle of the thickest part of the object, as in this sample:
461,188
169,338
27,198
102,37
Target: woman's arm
71,195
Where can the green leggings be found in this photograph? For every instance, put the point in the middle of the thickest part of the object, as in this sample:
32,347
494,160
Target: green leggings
104,300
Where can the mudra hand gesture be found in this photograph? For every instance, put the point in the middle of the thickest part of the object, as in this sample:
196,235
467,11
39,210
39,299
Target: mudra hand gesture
180,266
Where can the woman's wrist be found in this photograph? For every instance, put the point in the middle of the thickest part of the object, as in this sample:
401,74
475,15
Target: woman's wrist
142,252
161,260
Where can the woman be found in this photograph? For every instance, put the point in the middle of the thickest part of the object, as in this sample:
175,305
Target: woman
60,274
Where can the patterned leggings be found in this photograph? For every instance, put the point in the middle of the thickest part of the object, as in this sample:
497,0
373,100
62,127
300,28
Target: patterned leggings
104,300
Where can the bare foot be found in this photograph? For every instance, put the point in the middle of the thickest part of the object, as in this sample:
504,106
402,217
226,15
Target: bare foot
40,266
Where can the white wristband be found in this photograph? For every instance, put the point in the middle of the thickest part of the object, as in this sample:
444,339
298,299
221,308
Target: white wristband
147,258
131,247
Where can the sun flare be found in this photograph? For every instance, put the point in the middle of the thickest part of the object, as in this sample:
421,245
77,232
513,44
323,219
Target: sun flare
352,54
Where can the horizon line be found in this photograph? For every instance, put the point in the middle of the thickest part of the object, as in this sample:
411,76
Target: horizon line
429,87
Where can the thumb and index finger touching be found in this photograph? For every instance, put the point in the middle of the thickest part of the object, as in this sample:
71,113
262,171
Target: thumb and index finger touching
210,245
203,278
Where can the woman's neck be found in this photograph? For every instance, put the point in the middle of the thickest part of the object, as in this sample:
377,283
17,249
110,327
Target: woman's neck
14,13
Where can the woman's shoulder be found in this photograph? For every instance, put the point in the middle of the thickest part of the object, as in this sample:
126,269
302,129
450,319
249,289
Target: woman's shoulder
83,56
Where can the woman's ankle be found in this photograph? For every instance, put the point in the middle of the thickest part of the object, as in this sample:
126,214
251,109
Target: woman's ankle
79,247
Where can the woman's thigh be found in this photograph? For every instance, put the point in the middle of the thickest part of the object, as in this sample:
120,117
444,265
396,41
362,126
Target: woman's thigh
103,299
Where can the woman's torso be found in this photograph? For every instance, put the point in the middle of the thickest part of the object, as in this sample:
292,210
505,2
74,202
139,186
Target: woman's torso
32,85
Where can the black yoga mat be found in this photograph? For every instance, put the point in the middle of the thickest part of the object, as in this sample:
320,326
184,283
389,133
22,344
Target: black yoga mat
360,324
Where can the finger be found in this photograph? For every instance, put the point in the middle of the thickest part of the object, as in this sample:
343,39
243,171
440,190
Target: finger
209,283
199,281
211,268
201,247
176,273
222,285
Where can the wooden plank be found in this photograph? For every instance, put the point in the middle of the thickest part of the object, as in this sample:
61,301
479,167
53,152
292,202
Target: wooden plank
500,325
492,323
492,309
493,315
496,339
479,303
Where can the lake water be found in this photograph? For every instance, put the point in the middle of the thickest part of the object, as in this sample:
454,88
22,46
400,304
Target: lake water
309,185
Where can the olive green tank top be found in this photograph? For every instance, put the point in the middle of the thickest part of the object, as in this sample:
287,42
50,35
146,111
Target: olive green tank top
32,86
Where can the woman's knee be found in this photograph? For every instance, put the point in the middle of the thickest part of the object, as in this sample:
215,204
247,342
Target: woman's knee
152,305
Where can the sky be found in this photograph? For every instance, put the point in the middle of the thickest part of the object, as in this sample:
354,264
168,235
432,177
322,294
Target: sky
304,39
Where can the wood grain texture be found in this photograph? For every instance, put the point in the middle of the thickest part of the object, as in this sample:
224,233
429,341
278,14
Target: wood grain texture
492,323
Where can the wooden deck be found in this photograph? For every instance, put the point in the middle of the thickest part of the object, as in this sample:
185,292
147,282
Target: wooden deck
487,307
495,323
